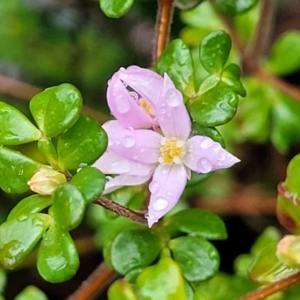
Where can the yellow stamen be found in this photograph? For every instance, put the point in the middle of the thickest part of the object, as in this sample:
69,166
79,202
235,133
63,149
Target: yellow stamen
171,151
147,107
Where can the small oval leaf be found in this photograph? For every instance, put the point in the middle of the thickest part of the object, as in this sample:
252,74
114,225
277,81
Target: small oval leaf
82,144
115,8
57,259
56,109
121,289
15,128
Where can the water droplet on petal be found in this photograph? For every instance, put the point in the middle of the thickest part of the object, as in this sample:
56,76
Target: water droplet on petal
204,165
154,186
128,141
117,141
169,193
221,155
164,171
173,97
162,111
160,203
142,150
122,104
134,96
205,143
111,142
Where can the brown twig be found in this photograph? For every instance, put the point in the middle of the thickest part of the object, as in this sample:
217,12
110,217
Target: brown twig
163,24
94,284
25,91
261,37
121,210
273,288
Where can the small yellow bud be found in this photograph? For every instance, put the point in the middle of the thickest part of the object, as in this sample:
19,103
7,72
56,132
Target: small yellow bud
288,251
45,181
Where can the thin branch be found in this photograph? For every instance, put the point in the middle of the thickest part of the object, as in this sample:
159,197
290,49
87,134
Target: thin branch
283,86
163,24
121,210
25,91
261,37
273,288
95,283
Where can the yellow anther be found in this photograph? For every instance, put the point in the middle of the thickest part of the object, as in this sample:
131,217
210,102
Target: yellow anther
171,151
147,107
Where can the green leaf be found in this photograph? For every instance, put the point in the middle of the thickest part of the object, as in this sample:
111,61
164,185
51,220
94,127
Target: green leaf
19,236
231,76
68,206
57,259
15,171
31,293
15,128
161,281
121,289
216,107
82,144
186,4
209,83
140,247
285,54
211,132
267,268
197,258
177,62
56,109
115,8
197,222
3,280
235,7
29,205
90,182
48,151
214,51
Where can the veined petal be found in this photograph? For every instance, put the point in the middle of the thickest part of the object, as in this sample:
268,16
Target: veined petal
124,106
166,188
171,114
140,145
111,163
144,81
204,155
124,180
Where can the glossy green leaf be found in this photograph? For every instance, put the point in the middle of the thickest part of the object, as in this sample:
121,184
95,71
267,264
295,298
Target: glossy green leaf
15,171
3,280
285,54
31,293
57,259
19,236
209,83
140,247
177,62
291,182
198,259
56,109
216,107
214,51
115,8
211,132
267,268
235,7
48,151
161,281
15,128
121,289
68,206
197,222
82,144
231,76
90,182
29,205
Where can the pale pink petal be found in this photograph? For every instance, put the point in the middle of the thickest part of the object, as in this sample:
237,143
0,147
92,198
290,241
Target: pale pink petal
139,145
171,114
166,188
124,106
144,81
111,163
204,155
124,180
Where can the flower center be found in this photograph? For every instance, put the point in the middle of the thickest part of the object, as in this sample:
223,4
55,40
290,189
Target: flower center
171,151
147,107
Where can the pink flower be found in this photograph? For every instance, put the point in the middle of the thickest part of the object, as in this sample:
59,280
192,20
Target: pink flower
165,156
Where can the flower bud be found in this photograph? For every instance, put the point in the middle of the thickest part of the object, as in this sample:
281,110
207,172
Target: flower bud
45,181
288,251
